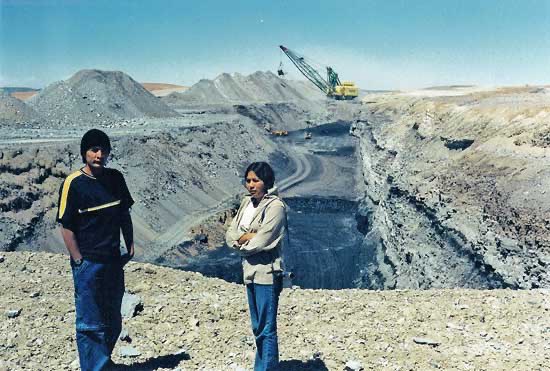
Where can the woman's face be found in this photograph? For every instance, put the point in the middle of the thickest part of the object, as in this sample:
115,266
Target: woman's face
255,185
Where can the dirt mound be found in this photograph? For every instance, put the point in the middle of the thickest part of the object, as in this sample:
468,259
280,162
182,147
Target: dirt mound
152,86
15,112
93,97
236,88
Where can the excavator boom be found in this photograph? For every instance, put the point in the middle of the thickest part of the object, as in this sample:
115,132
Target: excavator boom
309,72
330,86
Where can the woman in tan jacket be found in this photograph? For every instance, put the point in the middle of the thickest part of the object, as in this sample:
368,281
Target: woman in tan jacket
257,232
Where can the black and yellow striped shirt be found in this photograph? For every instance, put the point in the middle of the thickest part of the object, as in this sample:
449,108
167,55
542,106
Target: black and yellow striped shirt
92,207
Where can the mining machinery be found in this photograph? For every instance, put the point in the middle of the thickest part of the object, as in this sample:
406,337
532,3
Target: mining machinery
331,86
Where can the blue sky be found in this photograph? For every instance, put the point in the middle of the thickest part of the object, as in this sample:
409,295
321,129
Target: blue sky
381,44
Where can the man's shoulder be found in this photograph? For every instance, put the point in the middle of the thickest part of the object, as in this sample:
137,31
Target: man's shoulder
71,178
113,173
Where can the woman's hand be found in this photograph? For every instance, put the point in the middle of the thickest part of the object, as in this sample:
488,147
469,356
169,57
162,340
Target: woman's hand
246,237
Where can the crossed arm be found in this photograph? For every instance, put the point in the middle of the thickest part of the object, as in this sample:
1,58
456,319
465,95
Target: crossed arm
245,238
265,238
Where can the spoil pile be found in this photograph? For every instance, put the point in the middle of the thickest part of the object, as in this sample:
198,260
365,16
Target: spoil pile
94,97
15,112
235,88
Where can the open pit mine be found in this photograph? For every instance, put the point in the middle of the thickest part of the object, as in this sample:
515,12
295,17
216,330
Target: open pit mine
419,222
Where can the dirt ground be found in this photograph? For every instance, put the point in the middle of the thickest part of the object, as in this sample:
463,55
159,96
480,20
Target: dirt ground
189,322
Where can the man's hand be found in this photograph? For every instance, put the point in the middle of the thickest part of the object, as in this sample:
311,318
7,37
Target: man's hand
246,237
127,257
70,242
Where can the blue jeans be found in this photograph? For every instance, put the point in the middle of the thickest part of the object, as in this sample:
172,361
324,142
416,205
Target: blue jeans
98,292
263,301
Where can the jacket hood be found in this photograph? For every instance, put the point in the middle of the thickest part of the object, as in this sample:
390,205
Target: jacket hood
273,191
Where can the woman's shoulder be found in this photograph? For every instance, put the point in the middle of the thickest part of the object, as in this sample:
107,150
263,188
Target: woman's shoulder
275,201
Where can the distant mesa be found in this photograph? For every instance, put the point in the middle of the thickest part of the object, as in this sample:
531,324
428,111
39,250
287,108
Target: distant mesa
449,87
24,95
259,87
162,89
155,88
98,97
21,93
13,111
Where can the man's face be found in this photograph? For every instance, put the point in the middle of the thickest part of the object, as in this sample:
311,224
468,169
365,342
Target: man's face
96,157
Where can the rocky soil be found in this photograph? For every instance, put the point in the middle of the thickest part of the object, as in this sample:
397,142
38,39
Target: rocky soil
189,322
456,187
29,183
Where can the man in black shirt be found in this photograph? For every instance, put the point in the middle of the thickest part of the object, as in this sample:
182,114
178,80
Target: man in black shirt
94,206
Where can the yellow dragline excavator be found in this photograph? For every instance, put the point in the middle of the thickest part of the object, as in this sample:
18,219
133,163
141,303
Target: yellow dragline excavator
331,86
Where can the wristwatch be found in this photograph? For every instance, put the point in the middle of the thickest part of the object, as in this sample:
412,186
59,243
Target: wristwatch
78,262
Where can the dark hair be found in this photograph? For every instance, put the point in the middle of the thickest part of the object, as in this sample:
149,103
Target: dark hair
263,171
92,138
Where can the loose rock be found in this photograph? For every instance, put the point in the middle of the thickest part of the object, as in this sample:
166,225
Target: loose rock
426,341
128,351
131,305
354,366
13,313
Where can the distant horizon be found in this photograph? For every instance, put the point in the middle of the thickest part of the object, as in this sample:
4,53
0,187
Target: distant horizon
448,86
392,45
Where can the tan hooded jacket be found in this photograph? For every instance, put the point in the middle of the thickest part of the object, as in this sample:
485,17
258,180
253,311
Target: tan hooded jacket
261,254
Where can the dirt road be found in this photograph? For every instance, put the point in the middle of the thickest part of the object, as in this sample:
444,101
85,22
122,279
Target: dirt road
178,232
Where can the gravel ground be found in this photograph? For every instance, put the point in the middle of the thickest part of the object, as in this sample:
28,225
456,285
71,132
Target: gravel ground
190,322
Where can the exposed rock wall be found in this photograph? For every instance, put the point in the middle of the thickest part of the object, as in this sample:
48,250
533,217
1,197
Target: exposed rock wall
456,189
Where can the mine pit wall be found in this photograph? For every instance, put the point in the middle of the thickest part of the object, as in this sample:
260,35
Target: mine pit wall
324,247
420,236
